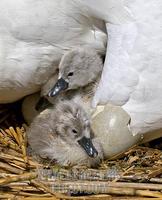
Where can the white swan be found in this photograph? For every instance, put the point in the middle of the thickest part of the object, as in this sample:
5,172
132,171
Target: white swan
33,37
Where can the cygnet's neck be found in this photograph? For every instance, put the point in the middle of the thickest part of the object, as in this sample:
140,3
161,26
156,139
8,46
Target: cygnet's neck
84,96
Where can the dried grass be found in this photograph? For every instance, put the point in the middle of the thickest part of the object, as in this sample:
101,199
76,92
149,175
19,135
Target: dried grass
135,174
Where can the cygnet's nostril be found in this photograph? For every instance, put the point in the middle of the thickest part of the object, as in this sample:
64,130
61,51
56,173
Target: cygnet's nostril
58,87
95,154
88,146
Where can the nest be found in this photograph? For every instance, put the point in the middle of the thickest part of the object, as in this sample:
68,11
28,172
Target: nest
135,174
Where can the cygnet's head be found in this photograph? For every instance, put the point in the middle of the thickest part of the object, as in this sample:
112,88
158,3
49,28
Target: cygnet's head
77,68
73,126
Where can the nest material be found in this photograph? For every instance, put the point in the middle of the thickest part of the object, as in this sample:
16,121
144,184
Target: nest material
135,174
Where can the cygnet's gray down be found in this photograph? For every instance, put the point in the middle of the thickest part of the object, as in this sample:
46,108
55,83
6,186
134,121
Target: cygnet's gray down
63,133
77,68
81,68
79,73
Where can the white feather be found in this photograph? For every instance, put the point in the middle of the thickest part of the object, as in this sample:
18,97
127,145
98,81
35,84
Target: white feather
132,75
34,35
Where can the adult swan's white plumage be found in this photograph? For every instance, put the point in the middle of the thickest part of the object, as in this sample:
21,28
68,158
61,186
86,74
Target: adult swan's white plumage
34,34
132,75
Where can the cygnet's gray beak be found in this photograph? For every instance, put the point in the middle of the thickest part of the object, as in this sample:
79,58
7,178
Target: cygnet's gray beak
87,145
58,87
42,104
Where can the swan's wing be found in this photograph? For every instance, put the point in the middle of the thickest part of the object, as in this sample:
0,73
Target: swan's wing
132,74
119,78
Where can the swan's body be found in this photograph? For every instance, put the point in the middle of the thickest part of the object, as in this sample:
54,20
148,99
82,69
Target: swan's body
34,36
63,133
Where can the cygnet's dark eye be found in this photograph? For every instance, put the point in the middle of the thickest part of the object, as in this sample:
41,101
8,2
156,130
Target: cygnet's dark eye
74,131
70,74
